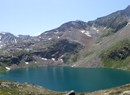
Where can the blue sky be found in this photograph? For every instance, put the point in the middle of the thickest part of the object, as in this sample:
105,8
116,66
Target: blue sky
36,16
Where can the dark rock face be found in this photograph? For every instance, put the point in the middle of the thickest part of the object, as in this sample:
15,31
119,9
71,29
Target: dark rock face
9,60
26,57
62,47
115,21
120,54
127,11
14,60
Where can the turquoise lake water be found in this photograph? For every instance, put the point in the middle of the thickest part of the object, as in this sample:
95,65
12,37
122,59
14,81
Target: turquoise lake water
67,78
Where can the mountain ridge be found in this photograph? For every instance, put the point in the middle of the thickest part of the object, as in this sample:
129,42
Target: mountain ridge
83,37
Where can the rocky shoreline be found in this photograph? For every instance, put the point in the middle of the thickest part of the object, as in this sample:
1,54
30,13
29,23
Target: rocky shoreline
15,88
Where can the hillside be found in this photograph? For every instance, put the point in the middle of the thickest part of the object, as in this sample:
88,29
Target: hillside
74,43
111,43
122,90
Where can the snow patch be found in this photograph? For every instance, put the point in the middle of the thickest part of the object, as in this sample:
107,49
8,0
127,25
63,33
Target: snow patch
82,31
97,30
53,59
26,62
0,37
61,60
49,38
128,23
44,58
86,33
7,68
27,49
15,41
62,56
58,37
94,28
1,46
73,65
105,28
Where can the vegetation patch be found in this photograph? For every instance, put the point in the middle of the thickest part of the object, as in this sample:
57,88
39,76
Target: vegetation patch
2,69
105,33
72,58
14,88
117,56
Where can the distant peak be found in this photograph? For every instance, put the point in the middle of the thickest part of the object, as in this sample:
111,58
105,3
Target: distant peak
128,7
74,23
4,33
127,10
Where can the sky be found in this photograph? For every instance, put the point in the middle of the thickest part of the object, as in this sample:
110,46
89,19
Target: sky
32,17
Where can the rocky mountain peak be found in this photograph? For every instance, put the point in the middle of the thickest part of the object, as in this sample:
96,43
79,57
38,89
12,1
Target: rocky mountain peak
5,33
127,10
7,37
68,26
73,24
114,21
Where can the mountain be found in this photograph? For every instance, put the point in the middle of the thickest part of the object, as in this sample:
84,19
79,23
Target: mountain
76,43
73,30
115,21
6,38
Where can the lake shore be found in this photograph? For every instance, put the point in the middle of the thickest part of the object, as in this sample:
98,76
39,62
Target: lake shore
30,65
15,88
84,93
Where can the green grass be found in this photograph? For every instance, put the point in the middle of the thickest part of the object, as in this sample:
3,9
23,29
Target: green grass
104,34
120,63
70,59
2,69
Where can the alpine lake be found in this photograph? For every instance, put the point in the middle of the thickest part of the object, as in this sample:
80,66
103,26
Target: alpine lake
68,78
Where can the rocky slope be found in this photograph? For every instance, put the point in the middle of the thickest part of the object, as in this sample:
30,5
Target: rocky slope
75,43
111,48
122,90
